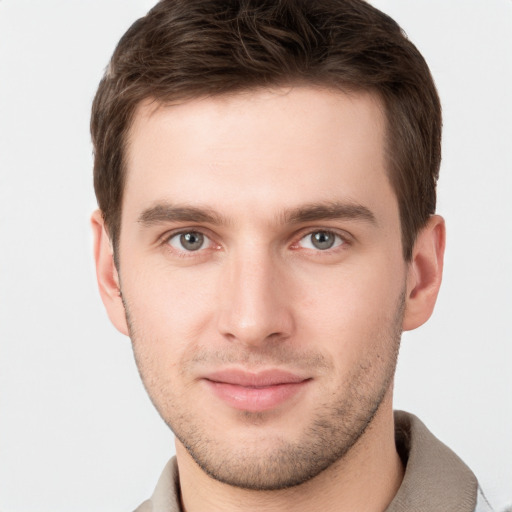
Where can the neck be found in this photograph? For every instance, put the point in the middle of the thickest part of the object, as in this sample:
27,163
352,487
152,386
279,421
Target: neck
367,478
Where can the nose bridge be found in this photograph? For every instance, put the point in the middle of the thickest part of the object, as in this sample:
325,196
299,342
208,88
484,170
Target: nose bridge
252,309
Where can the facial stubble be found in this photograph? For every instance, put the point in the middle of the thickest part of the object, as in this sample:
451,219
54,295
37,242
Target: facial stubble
336,424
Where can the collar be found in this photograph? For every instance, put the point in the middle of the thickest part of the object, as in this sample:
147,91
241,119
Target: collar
435,478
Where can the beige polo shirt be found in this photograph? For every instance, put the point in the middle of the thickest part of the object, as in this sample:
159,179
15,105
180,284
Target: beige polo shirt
435,478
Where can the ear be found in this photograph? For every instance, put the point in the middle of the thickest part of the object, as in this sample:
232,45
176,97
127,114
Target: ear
424,273
106,274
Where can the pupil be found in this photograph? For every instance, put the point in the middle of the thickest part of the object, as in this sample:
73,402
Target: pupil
323,240
192,241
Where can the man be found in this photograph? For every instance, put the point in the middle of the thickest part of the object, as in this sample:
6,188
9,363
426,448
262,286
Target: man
265,173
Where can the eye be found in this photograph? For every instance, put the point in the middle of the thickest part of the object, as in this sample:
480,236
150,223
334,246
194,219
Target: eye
321,240
189,241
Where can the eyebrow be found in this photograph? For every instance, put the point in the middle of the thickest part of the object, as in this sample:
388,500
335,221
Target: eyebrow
165,212
329,211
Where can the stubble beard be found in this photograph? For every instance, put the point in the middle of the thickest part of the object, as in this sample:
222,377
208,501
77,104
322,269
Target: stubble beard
336,425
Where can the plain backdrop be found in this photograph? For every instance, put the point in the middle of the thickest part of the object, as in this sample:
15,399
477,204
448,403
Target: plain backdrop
77,431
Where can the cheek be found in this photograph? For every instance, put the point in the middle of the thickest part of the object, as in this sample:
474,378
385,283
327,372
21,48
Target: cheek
338,309
346,308
164,294
168,310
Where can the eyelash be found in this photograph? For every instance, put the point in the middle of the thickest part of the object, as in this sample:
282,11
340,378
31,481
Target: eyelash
340,241
183,253
344,241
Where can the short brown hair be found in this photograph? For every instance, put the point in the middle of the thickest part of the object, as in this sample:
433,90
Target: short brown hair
184,49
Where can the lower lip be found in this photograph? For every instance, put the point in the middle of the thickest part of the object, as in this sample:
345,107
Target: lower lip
256,399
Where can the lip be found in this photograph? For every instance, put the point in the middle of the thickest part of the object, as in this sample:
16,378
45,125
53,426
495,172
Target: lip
255,392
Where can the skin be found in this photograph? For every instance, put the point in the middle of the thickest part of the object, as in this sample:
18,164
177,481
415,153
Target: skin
257,174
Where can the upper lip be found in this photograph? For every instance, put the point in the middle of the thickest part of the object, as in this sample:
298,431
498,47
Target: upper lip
260,379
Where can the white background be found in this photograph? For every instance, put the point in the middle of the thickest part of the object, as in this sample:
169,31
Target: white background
77,432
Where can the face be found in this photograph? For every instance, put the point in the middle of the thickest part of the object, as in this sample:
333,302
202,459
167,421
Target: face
261,270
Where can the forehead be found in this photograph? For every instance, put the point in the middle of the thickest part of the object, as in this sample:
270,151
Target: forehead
259,150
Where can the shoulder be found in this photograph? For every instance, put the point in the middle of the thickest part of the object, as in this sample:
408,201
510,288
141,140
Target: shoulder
165,497
435,477
145,507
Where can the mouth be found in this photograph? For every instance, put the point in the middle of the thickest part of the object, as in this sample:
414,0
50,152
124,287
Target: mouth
255,392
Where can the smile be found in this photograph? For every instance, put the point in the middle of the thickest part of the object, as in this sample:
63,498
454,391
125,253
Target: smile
255,392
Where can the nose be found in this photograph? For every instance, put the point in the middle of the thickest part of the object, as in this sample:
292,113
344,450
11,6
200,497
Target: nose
254,306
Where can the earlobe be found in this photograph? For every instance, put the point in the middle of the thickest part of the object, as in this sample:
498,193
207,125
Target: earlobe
106,274
424,273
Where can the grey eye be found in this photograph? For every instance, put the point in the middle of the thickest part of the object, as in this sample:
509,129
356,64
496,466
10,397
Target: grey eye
321,240
192,241
189,241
